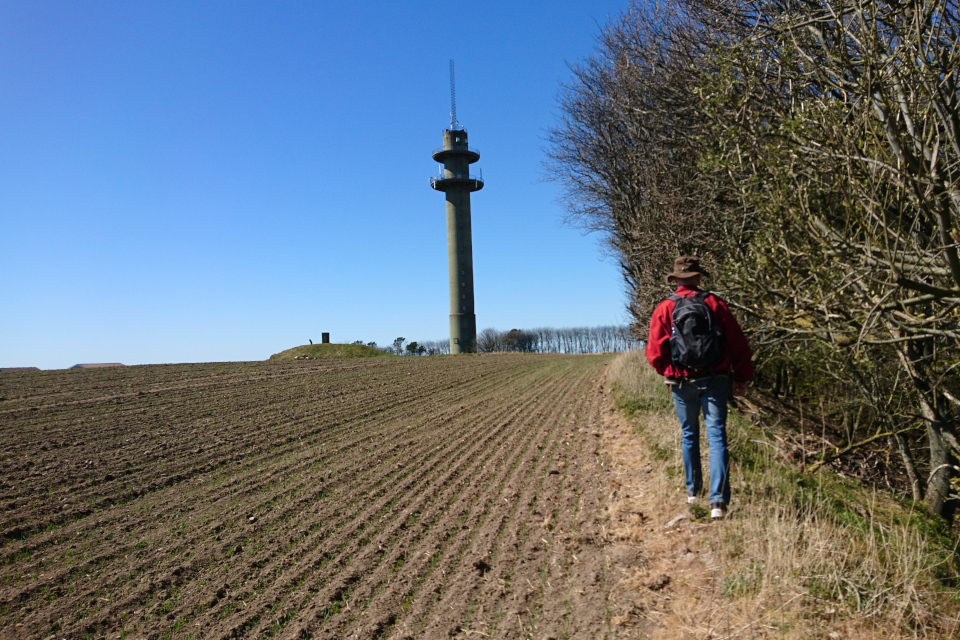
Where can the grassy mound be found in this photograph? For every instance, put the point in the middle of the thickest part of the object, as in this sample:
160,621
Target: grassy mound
322,351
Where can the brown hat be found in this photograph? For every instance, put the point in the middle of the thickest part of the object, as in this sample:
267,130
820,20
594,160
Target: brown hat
686,267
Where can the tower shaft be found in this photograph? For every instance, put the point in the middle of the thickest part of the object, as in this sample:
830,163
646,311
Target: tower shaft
463,319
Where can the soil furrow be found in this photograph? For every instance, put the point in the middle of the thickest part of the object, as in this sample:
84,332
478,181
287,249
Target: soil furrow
315,498
515,488
437,545
226,544
492,560
326,436
98,560
420,507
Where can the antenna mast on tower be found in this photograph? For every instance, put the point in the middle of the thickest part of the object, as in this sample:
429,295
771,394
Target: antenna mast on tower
454,123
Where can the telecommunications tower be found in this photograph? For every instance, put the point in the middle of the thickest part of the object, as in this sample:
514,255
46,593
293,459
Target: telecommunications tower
454,179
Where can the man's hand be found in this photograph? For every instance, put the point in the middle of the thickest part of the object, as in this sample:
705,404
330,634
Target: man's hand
739,388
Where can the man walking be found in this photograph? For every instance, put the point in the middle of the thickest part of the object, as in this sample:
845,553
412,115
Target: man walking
697,345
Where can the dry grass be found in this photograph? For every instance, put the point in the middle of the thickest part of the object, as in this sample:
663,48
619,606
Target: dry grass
799,556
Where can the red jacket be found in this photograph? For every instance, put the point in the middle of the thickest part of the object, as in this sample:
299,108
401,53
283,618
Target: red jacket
658,340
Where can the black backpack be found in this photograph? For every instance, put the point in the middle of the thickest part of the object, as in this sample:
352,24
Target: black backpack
696,343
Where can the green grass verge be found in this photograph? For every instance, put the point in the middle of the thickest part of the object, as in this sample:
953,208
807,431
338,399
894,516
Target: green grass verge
323,351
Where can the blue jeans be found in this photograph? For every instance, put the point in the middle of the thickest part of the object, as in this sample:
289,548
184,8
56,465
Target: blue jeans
710,396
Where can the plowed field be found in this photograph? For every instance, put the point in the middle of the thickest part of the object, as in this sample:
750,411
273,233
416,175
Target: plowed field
446,497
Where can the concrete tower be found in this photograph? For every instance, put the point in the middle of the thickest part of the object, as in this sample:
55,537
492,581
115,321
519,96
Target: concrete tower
457,184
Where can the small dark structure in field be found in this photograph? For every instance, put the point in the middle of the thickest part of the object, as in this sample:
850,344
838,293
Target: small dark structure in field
97,365
325,338
16,369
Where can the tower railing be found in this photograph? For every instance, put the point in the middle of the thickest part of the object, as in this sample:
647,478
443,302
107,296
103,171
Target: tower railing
461,178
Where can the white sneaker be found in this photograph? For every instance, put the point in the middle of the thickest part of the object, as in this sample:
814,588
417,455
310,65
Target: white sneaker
717,512
691,499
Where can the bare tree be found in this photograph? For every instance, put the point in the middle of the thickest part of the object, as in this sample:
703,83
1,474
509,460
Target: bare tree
811,153
845,141
488,340
436,347
626,154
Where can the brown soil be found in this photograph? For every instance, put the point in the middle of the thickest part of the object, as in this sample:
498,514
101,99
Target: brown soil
408,497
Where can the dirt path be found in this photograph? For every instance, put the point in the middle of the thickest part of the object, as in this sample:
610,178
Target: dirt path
665,577
409,497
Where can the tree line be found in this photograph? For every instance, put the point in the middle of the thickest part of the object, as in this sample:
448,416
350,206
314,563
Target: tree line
573,340
809,153
401,347
604,339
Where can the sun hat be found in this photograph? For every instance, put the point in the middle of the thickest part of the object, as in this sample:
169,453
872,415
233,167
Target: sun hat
686,267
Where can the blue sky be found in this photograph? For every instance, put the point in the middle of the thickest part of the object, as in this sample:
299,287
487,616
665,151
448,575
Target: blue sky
192,182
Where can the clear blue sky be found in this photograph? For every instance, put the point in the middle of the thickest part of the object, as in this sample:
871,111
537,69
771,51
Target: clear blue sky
213,181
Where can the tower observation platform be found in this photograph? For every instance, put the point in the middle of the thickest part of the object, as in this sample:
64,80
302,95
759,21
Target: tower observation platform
456,159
